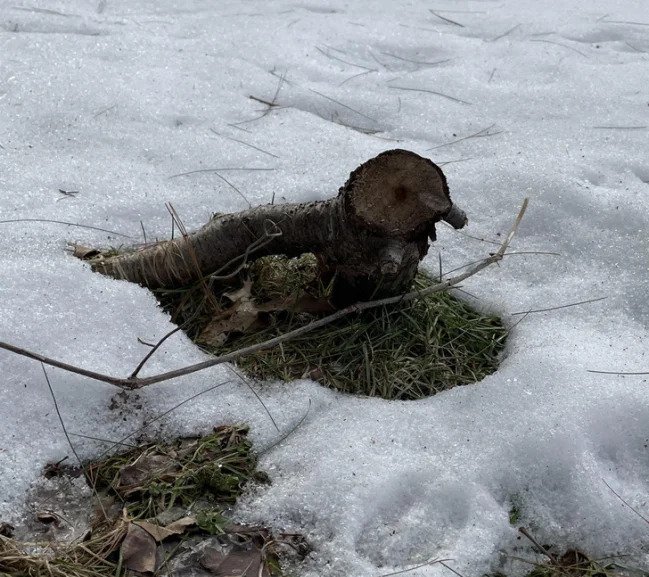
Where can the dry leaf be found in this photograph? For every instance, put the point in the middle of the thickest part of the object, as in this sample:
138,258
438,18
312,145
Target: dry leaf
84,252
146,468
237,563
212,559
242,294
138,550
181,525
158,532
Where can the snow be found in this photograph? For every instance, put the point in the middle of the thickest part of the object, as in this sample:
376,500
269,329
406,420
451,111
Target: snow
114,98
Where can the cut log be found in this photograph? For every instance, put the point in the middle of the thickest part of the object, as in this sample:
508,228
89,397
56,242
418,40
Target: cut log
370,237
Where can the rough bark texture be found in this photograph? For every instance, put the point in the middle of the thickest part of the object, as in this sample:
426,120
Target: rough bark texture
371,236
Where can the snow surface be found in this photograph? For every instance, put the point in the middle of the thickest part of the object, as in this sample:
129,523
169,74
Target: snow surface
113,98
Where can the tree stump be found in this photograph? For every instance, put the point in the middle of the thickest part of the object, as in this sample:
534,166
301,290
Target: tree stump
371,237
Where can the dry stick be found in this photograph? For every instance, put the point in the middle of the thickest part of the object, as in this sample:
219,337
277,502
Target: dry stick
66,223
645,519
446,19
65,432
562,45
343,105
504,255
504,34
153,350
560,306
287,434
431,92
423,62
451,568
625,22
620,127
137,383
618,373
541,549
101,440
344,61
430,562
356,76
234,188
244,143
216,170
456,160
252,390
271,105
480,134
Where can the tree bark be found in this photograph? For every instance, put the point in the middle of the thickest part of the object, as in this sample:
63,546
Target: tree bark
371,237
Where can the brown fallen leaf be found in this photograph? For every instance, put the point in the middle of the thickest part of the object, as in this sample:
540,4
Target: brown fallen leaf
138,550
145,469
84,252
160,533
181,525
237,563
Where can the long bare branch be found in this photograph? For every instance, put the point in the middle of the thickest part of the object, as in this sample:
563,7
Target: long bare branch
139,382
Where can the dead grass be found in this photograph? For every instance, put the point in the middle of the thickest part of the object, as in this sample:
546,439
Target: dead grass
173,492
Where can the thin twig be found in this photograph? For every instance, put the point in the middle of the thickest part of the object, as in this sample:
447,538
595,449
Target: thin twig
244,143
272,104
58,413
480,134
645,519
559,307
446,19
234,188
506,254
618,373
507,33
423,62
444,163
356,76
9,221
217,170
343,105
65,432
625,22
287,434
105,110
252,390
109,441
540,548
343,61
620,127
451,569
431,92
560,44
425,564
153,350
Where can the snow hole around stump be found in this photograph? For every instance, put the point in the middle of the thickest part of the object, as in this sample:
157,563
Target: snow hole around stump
406,351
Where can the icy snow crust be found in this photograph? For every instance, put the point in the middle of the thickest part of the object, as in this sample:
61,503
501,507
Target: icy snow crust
112,98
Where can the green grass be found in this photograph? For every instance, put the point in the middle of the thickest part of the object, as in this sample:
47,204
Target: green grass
407,351
198,478
154,478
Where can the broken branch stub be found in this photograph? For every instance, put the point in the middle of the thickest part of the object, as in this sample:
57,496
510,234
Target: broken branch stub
370,237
